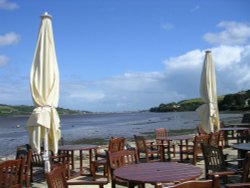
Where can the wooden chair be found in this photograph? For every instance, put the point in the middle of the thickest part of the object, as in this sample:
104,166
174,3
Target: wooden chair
215,163
56,179
11,173
214,183
115,144
37,163
119,159
22,153
147,152
195,149
245,175
222,135
162,132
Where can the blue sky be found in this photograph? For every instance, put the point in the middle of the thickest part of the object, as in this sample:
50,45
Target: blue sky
124,55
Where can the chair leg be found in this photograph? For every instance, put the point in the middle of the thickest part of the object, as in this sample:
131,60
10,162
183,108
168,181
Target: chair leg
93,170
27,181
174,150
113,184
31,173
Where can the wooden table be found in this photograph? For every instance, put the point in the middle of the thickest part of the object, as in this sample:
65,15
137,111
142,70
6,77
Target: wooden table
180,138
242,149
227,129
69,149
157,172
239,125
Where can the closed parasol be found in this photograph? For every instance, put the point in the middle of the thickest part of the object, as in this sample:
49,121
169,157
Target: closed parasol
44,123
208,112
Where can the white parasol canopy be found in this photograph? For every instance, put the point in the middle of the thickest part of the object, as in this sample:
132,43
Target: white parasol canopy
44,122
209,112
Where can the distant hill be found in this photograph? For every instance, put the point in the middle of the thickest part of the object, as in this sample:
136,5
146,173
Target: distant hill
15,110
231,102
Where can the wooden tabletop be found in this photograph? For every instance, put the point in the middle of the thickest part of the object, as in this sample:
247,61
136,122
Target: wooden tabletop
179,137
234,129
158,172
242,146
239,125
77,147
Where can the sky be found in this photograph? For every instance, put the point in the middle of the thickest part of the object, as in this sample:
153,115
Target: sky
126,55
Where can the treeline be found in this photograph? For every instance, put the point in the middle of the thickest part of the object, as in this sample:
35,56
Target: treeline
9,110
232,102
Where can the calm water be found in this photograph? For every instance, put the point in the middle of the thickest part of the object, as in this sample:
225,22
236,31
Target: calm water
75,127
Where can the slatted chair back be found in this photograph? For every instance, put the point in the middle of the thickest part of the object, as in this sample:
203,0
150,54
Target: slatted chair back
119,159
214,183
116,144
197,150
214,159
56,178
161,132
148,151
214,138
140,144
10,173
27,156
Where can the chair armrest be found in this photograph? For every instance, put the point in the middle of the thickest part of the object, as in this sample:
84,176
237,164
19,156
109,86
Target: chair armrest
81,180
221,174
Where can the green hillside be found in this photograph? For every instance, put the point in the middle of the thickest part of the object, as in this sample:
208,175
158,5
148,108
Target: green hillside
8,110
231,102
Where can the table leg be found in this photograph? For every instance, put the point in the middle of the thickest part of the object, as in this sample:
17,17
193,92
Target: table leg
131,185
226,138
72,158
81,169
181,154
169,150
158,185
187,156
162,148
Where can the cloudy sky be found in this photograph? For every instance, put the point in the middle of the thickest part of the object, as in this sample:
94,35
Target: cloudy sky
123,55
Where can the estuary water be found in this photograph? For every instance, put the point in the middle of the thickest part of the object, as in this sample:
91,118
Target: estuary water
102,126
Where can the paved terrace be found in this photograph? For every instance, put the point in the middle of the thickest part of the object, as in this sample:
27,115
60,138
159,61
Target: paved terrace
232,154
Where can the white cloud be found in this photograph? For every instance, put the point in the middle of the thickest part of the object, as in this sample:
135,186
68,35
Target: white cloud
4,4
9,39
142,90
232,70
190,60
3,60
234,33
180,80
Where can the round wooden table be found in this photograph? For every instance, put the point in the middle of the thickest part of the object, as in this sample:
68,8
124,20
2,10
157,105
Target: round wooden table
157,172
242,149
239,125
